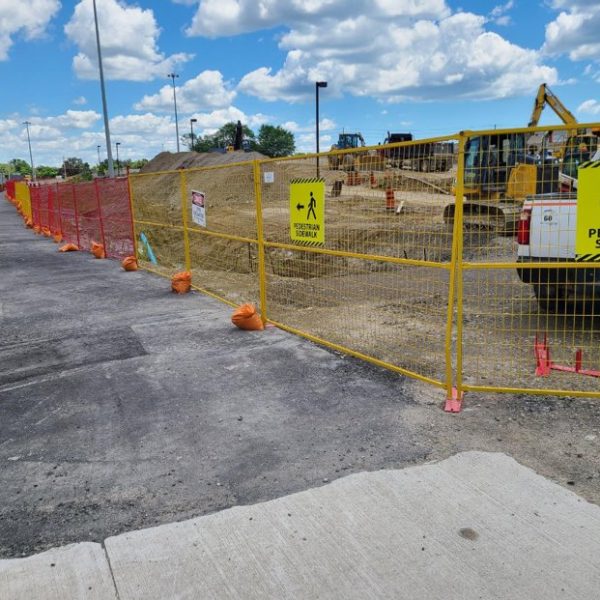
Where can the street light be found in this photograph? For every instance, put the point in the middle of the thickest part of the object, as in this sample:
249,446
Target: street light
172,76
27,124
117,144
111,169
318,84
192,121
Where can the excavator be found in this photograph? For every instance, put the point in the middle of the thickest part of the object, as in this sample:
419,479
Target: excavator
580,145
502,170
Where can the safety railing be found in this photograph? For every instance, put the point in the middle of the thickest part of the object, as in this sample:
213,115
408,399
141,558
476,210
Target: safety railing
468,261
528,268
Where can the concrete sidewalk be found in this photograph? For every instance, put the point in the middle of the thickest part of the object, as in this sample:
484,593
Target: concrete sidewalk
475,526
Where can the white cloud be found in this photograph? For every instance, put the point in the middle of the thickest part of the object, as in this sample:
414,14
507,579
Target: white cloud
407,59
80,101
30,18
208,123
129,36
498,13
216,18
141,125
72,119
591,107
205,91
575,31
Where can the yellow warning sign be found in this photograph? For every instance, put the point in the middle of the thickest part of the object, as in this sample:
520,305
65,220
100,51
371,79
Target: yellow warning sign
307,210
587,240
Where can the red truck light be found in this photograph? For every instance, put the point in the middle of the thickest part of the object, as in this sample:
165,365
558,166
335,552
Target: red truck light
524,229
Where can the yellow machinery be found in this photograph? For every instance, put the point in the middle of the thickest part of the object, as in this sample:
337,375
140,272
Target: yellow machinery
578,140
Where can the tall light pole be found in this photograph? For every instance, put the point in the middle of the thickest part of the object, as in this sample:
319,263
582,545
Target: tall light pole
172,76
111,169
27,124
118,163
192,121
318,84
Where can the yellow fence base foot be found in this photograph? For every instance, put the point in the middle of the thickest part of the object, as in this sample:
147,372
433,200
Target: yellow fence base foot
454,402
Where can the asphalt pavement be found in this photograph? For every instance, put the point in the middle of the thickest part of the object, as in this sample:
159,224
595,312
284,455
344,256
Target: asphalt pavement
126,406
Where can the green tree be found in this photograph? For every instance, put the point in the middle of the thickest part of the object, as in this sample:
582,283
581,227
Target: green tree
275,141
222,138
138,164
43,172
74,166
19,165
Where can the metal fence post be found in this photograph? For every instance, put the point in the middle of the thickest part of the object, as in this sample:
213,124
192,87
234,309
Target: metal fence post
100,220
130,201
454,394
261,241
74,195
184,216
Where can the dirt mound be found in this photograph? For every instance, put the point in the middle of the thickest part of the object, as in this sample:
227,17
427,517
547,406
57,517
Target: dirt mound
169,161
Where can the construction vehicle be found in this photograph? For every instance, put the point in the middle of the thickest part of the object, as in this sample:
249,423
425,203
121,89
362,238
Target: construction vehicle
346,141
580,144
501,170
426,156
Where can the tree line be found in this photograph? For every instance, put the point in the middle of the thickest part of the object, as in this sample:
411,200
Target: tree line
71,167
272,140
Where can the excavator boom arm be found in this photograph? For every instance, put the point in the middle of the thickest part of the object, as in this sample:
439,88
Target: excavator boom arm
545,96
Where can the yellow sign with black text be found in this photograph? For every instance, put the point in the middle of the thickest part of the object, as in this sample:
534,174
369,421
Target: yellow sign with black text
307,211
587,240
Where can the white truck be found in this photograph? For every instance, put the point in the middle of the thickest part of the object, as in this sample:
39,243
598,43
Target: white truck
546,233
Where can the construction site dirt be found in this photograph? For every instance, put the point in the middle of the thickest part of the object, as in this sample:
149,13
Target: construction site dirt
125,406
403,307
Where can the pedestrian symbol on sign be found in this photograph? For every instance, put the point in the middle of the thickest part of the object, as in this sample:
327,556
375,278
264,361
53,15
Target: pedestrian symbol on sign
311,207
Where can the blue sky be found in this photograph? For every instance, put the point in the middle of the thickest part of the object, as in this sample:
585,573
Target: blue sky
431,67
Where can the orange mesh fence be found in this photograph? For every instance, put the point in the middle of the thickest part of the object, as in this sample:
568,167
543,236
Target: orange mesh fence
115,215
89,224
84,213
65,193
10,189
44,206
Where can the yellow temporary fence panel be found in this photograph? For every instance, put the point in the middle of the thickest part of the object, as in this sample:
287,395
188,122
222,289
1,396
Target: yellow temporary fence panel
23,198
451,260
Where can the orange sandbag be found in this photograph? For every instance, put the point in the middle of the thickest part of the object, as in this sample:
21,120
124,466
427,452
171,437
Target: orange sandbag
58,238
37,229
246,317
29,223
181,282
46,231
98,250
68,248
129,263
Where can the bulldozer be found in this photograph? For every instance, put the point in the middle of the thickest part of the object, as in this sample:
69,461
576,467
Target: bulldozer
367,160
346,141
